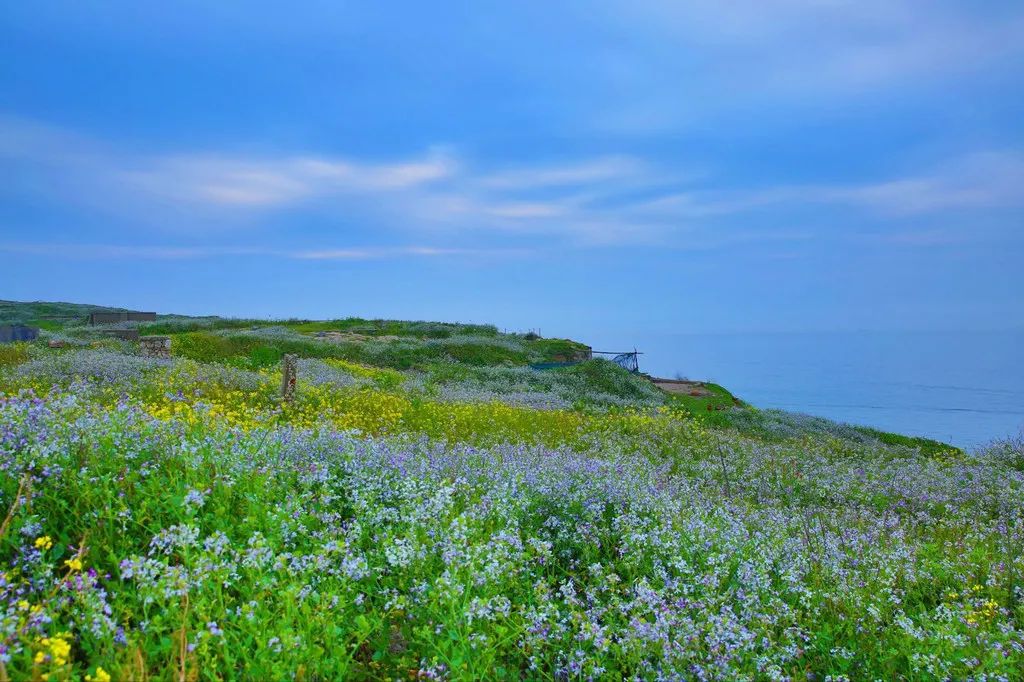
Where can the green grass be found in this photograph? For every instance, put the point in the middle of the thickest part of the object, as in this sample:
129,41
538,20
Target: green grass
48,325
706,407
25,312
925,445
406,353
420,330
722,410
211,339
269,554
13,354
233,545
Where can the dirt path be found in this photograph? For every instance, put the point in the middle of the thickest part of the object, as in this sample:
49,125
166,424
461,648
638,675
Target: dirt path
682,387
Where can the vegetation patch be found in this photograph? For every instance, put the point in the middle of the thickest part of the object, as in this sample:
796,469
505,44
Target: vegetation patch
430,507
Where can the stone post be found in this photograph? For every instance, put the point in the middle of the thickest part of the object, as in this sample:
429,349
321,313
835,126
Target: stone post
288,370
155,346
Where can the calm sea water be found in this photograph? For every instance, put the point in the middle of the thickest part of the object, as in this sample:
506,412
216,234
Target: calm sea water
961,388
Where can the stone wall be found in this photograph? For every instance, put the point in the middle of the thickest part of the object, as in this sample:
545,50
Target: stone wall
155,346
101,317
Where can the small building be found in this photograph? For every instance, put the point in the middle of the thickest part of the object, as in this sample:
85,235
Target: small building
9,333
107,317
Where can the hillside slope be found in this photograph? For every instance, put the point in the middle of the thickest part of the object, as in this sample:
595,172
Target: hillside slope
428,506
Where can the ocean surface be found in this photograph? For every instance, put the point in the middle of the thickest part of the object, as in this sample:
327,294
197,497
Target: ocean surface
960,388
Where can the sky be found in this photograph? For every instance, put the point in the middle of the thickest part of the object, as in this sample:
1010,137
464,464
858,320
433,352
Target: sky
653,165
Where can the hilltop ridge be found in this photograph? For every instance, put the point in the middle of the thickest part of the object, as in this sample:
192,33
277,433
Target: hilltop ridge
447,353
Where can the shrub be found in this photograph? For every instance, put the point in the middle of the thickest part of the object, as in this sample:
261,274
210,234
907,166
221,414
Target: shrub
13,354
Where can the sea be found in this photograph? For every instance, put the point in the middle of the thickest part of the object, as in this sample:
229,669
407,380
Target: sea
962,388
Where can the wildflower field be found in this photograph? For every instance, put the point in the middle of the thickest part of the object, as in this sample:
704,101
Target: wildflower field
430,508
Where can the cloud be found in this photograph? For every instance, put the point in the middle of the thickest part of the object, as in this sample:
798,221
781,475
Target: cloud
982,181
376,253
215,180
988,180
598,201
919,238
684,62
616,168
141,252
272,182
195,192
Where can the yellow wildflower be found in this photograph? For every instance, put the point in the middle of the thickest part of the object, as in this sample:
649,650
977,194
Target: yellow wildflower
100,676
44,542
23,605
74,564
59,649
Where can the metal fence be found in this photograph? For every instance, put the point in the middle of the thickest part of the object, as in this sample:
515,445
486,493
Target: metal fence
629,361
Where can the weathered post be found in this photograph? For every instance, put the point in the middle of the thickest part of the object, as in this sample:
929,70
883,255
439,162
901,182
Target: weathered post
288,369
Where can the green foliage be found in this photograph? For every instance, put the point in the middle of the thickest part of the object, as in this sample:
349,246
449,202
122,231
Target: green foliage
47,325
429,507
555,350
13,354
481,355
406,353
24,312
778,426
604,376
208,347
217,538
263,356
419,330
177,325
925,445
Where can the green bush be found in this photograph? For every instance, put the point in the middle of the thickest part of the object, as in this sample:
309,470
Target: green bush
13,354
264,356
485,354
604,376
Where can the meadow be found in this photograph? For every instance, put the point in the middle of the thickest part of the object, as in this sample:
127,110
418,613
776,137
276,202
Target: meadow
429,507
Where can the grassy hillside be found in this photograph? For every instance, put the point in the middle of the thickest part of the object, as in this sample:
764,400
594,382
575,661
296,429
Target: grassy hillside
430,507
47,315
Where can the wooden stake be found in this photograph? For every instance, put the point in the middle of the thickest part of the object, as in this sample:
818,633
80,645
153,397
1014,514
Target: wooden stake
288,369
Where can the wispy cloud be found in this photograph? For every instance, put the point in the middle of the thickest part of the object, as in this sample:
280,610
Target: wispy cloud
586,202
983,181
918,238
612,168
213,179
988,180
272,182
142,252
790,53
434,191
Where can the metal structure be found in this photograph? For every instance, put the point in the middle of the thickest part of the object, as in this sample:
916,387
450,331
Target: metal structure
628,360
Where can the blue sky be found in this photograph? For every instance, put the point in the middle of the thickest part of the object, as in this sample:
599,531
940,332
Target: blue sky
752,165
